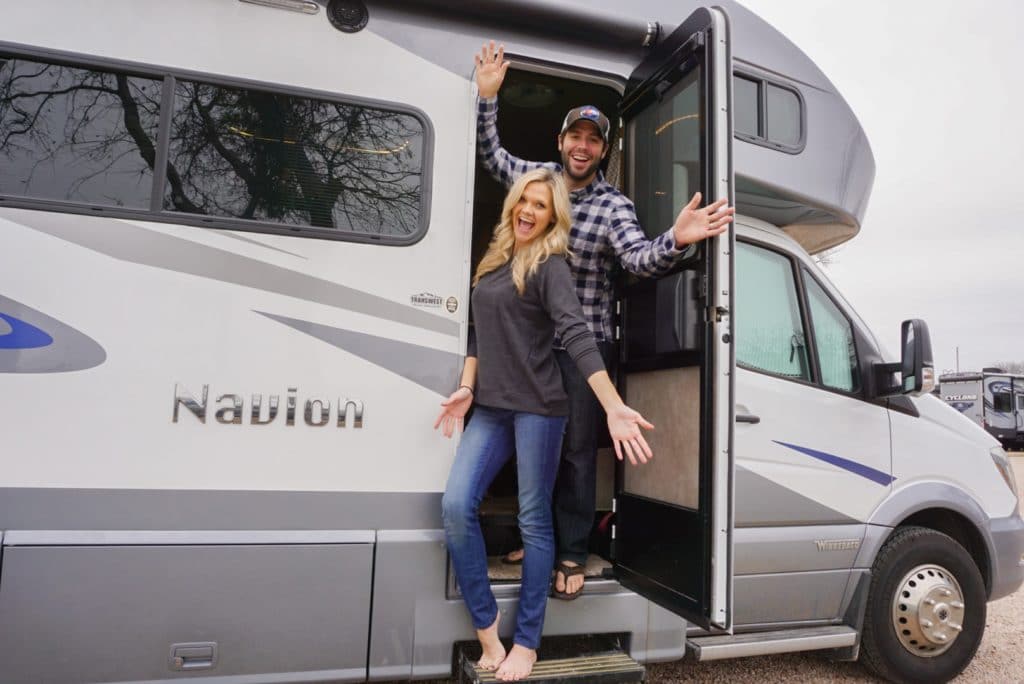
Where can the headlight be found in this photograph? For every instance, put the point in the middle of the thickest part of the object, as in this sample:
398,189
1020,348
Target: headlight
1005,469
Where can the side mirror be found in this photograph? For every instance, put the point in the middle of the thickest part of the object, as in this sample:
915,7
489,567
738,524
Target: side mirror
916,367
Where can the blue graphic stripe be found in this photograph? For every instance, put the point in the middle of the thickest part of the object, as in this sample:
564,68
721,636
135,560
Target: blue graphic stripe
844,463
23,335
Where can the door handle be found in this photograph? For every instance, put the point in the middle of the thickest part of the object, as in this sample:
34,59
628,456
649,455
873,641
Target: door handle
748,418
193,656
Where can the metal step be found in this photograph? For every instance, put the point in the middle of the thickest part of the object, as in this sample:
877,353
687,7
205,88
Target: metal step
609,667
722,646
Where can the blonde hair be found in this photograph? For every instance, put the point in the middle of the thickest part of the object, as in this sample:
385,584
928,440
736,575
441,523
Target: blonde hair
555,240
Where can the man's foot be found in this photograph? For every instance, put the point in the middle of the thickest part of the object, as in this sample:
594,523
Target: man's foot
493,651
568,580
513,557
518,664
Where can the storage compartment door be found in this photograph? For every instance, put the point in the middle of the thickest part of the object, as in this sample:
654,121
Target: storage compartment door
111,613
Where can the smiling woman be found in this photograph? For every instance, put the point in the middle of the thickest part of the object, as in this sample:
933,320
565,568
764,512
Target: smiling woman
532,214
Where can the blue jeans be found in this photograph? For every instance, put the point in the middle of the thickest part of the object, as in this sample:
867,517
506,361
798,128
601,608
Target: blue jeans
575,495
489,441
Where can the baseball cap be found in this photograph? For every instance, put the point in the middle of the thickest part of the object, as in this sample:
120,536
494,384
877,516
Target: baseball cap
588,113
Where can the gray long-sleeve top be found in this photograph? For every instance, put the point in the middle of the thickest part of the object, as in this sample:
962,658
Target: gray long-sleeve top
513,335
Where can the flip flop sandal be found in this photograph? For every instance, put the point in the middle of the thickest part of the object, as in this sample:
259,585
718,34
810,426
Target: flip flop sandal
567,572
508,560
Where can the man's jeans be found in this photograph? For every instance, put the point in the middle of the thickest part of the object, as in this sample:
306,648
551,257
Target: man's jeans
575,495
488,442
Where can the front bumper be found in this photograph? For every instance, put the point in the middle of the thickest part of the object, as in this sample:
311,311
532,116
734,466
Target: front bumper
1008,559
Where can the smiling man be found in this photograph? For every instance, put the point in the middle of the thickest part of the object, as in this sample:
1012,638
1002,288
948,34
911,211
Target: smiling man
605,230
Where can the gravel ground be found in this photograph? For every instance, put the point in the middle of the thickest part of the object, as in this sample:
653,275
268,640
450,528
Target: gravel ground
1000,658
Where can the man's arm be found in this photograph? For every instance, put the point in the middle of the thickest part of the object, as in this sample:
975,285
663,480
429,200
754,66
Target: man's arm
645,257
490,74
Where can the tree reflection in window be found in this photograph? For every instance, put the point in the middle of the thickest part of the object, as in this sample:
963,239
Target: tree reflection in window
251,154
77,134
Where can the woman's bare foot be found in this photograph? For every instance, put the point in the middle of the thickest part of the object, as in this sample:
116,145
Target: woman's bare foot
518,664
514,557
493,651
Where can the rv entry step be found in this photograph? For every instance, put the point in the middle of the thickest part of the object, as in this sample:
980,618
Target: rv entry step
721,646
597,659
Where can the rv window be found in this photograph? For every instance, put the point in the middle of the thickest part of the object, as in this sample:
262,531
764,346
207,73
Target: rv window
769,332
782,116
768,114
746,107
251,154
1020,402
833,340
1002,402
76,134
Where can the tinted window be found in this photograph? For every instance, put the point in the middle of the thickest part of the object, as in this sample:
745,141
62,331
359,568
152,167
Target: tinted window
747,108
769,332
76,134
833,338
782,115
667,154
252,154
767,114
1002,402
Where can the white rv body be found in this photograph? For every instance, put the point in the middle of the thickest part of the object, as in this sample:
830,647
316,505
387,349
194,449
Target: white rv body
156,524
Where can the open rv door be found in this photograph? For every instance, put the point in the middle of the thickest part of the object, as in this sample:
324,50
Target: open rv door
673,523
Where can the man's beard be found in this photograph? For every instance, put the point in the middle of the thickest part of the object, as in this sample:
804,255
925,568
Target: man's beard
590,169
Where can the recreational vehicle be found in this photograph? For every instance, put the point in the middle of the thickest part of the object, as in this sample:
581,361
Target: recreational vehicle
236,242
992,399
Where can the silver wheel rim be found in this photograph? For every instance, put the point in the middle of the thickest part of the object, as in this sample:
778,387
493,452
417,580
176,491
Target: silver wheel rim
928,610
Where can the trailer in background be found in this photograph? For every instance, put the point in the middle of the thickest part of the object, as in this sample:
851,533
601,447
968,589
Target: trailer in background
993,399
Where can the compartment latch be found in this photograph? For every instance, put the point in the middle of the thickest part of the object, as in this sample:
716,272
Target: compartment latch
200,655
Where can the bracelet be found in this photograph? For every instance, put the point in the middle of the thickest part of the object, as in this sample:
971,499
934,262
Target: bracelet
469,388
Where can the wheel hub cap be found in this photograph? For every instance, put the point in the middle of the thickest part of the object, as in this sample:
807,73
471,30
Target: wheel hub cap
928,610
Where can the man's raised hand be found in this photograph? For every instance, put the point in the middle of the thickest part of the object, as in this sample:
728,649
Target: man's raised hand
490,69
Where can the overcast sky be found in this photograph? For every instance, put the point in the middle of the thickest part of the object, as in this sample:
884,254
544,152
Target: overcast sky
938,88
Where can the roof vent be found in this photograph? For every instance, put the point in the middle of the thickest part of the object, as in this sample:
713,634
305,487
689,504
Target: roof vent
349,16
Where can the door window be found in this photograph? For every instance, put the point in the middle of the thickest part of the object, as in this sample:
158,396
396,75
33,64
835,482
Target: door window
667,154
769,331
833,340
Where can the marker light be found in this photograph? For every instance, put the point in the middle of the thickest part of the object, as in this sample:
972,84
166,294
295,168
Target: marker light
1005,469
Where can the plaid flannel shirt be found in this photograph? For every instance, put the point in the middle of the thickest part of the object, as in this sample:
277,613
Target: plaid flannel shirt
605,228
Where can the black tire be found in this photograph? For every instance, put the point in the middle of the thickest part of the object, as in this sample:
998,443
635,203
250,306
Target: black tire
882,650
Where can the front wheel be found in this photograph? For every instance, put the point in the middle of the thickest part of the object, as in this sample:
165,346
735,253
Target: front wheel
926,608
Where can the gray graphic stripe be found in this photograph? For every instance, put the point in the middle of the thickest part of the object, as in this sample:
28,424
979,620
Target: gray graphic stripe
436,370
760,501
236,236
70,350
128,242
32,508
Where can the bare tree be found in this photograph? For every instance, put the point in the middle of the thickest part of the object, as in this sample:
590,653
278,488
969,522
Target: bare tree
827,257
1015,367
75,133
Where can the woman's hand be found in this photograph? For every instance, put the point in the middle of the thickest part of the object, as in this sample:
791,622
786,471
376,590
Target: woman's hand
453,410
491,66
624,426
